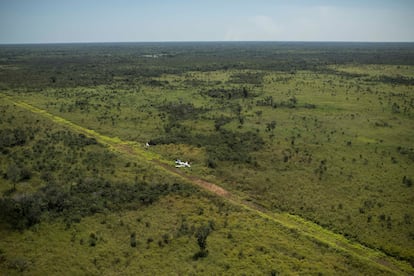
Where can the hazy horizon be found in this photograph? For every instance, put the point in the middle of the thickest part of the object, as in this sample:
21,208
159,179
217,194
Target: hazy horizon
209,41
107,21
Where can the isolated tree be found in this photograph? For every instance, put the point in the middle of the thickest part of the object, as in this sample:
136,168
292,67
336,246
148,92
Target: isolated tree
201,235
93,239
133,239
14,173
245,92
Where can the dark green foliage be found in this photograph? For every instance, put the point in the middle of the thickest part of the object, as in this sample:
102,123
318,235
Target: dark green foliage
71,139
231,146
93,239
181,111
266,101
82,65
271,126
269,101
221,121
87,197
290,103
274,272
21,213
201,235
166,238
395,80
409,152
16,173
75,174
395,108
20,264
228,93
175,133
309,106
155,83
200,254
133,239
321,170
99,194
382,124
223,145
12,137
407,181
211,163
184,228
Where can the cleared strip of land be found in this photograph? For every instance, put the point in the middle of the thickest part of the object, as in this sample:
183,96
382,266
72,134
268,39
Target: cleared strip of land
303,227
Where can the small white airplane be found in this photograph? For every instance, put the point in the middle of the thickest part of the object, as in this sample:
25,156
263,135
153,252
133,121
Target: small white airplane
181,164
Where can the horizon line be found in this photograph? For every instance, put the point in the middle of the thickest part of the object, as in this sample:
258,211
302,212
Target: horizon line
206,41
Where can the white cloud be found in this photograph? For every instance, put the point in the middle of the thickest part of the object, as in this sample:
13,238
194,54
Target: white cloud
324,23
266,25
259,27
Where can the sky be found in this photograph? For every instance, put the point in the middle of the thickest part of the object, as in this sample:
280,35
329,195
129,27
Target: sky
64,21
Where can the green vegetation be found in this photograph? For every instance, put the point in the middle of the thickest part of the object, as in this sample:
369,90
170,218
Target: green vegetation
321,131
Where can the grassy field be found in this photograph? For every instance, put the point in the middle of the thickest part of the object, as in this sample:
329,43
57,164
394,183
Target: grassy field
93,239
322,132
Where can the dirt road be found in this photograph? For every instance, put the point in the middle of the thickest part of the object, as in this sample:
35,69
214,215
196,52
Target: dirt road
300,225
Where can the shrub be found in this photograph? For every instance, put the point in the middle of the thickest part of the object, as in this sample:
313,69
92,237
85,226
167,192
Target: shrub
133,240
201,235
407,181
93,239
